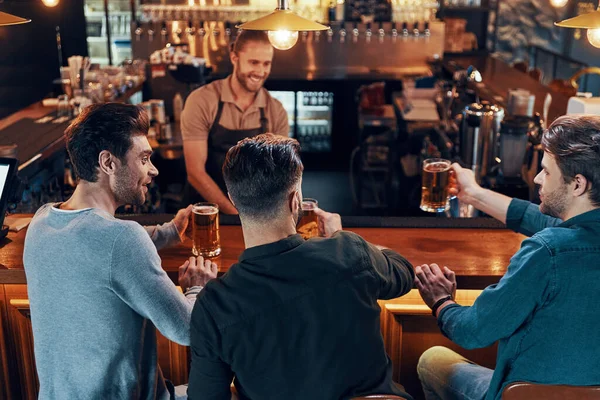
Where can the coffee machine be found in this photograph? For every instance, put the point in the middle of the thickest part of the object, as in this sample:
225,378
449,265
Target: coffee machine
499,145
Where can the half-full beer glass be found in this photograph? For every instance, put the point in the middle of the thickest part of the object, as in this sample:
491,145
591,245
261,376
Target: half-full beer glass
308,226
205,234
436,182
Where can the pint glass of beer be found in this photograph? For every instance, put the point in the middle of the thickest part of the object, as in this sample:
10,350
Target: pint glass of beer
308,226
205,234
436,182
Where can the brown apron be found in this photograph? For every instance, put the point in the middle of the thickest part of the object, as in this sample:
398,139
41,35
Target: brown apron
220,140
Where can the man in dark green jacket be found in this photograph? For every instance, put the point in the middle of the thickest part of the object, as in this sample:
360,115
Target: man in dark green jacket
544,311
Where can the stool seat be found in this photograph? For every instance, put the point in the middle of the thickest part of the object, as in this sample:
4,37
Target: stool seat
529,391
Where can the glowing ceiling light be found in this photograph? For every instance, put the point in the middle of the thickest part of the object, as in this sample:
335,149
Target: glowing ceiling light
282,26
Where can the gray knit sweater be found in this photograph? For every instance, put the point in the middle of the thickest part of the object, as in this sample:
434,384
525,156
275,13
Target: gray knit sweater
97,290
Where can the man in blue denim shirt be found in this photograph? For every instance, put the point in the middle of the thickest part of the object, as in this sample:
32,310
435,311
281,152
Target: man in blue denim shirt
545,311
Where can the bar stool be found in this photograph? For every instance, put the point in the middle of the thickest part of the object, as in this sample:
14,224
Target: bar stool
528,391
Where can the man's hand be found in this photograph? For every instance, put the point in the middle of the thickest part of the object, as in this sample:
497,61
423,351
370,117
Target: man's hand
433,284
182,220
464,185
329,223
196,272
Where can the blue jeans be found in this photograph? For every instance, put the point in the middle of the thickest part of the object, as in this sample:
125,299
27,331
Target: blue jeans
446,375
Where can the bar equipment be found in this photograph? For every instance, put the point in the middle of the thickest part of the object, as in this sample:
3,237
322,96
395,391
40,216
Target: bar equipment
479,135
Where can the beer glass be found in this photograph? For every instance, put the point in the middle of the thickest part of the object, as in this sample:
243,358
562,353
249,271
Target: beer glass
435,185
205,230
308,226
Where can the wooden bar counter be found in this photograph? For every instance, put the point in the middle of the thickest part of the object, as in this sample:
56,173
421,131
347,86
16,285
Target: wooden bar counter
478,256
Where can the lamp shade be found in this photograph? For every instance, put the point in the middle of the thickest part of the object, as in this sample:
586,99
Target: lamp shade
8,19
282,20
583,21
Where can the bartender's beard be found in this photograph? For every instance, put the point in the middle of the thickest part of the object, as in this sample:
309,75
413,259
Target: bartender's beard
247,82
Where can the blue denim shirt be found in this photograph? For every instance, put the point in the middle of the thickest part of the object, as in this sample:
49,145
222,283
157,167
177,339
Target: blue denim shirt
545,311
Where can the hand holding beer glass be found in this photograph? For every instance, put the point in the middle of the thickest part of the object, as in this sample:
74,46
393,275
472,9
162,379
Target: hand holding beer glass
435,185
205,230
308,226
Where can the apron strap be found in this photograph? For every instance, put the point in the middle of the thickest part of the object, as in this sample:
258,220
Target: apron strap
218,116
264,122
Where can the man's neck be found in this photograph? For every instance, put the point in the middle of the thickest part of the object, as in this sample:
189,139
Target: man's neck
579,209
243,98
259,234
91,195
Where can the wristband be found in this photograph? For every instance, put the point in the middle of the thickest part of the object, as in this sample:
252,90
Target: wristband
439,303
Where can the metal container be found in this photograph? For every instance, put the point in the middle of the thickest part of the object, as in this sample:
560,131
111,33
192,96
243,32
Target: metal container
514,137
520,103
158,111
479,137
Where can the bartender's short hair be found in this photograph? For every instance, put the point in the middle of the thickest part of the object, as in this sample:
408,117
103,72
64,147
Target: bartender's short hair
261,172
108,126
574,141
246,36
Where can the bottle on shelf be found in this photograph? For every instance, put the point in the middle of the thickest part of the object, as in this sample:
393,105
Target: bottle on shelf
177,106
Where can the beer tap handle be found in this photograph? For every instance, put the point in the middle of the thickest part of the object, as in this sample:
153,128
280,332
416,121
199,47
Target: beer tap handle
355,29
138,30
163,31
343,33
416,29
239,29
151,31
405,28
201,30
394,30
427,31
227,28
190,30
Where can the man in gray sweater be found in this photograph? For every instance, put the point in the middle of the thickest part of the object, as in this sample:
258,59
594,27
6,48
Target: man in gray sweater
96,286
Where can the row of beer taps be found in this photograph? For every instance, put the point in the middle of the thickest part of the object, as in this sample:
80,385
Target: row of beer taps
343,31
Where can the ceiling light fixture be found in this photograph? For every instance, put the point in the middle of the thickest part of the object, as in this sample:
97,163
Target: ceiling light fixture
8,19
589,21
282,26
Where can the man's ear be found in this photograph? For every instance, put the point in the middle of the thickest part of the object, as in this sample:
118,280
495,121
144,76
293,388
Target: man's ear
233,57
581,185
294,201
107,162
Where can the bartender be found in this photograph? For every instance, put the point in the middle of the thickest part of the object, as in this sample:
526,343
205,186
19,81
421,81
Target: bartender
218,115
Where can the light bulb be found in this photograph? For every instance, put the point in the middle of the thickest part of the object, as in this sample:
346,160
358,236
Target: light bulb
283,40
558,3
50,3
594,37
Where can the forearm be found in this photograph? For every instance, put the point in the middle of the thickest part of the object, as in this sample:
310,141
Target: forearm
207,187
164,235
491,203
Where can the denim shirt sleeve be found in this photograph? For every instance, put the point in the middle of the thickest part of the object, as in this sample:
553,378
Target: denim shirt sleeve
526,218
502,308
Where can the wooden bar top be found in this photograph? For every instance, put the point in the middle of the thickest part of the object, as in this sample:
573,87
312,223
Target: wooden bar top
479,257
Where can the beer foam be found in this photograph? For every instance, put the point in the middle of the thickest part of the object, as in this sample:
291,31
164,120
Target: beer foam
205,210
308,205
440,166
